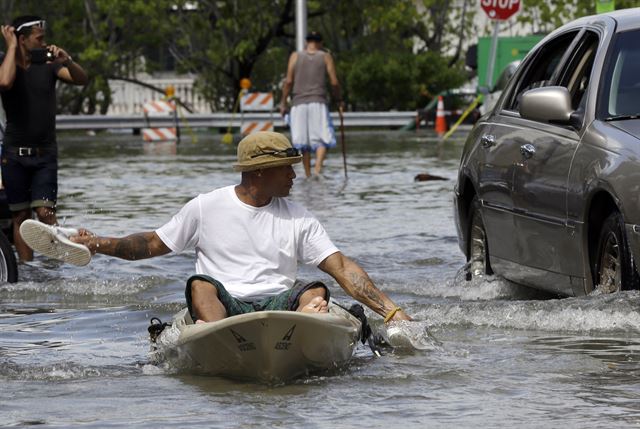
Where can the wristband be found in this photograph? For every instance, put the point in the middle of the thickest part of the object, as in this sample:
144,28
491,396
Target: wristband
68,61
392,313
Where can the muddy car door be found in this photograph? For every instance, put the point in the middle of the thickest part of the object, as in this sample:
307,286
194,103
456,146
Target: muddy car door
494,164
547,243
540,156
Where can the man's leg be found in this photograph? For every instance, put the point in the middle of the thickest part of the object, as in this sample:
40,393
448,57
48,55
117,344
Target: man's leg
46,215
44,188
313,300
17,178
298,123
205,302
321,153
321,134
306,161
24,252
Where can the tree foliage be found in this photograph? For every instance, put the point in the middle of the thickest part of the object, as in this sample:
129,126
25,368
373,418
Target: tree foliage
543,16
395,52
388,54
222,42
108,37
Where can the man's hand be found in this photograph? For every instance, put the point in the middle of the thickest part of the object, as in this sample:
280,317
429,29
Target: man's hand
71,72
86,238
9,36
283,109
59,55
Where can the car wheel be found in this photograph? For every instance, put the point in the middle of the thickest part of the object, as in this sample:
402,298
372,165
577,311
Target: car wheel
478,251
614,270
8,265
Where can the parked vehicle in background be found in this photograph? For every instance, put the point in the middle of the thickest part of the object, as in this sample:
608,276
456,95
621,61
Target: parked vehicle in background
491,98
548,190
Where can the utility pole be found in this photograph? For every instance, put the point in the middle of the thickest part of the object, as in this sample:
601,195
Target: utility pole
301,24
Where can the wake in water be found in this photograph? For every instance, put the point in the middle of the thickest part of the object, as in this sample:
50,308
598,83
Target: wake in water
494,302
163,355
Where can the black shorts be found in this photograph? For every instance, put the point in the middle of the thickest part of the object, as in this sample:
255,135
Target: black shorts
30,179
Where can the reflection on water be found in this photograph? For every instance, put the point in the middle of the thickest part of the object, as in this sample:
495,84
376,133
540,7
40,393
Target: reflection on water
73,340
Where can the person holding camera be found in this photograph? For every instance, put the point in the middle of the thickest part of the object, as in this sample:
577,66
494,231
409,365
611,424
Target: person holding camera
29,72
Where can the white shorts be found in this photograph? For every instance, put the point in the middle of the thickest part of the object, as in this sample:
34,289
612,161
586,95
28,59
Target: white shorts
311,126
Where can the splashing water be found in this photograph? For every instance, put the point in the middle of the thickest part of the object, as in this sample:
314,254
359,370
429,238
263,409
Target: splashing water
410,336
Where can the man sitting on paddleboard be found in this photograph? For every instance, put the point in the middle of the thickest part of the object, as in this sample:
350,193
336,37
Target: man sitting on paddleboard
249,239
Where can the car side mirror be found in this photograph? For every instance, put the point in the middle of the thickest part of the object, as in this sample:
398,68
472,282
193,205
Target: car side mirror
547,104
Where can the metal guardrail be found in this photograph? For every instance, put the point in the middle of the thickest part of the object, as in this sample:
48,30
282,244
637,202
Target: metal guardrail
223,120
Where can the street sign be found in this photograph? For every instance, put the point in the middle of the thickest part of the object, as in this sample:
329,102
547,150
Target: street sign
500,9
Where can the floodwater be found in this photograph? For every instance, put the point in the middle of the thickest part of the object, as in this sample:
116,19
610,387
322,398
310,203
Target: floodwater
73,340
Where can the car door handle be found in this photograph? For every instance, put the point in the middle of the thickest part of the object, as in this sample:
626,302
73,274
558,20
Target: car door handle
527,150
488,140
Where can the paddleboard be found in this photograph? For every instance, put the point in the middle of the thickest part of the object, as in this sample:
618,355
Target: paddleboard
265,346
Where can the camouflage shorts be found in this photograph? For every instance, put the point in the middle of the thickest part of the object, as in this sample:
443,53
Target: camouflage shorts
287,300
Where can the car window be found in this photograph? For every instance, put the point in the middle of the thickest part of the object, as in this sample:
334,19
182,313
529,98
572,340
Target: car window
543,68
621,88
576,74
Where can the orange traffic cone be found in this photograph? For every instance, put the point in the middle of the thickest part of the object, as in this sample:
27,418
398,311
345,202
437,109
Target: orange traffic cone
441,122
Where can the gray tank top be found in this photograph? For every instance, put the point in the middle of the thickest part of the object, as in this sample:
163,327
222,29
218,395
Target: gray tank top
309,81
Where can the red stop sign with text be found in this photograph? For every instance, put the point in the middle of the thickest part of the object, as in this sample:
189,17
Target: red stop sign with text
500,9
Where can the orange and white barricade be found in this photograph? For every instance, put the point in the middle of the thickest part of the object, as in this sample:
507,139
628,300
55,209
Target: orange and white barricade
160,109
256,102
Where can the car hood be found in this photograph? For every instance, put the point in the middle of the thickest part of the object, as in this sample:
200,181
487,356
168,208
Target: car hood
630,126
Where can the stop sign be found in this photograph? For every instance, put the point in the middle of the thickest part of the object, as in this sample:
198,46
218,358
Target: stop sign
500,9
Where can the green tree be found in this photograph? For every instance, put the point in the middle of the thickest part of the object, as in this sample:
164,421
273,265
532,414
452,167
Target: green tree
221,42
108,37
389,55
544,16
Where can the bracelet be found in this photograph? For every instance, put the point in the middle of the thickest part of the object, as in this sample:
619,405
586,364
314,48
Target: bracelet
68,61
390,314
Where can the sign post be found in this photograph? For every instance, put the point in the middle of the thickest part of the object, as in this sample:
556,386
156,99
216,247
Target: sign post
492,55
497,10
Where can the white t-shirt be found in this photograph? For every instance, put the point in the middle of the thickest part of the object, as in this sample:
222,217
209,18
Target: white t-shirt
252,251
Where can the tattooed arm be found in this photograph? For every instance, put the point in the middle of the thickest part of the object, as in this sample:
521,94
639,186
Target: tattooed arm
355,281
132,247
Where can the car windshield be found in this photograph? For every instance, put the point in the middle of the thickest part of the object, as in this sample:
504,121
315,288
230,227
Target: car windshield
622,79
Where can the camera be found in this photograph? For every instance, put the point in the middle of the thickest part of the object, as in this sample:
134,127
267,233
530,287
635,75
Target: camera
41,55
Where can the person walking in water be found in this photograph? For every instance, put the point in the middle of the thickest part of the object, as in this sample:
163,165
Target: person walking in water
311,126
29,72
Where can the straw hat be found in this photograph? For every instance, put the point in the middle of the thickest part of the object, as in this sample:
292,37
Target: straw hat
265,149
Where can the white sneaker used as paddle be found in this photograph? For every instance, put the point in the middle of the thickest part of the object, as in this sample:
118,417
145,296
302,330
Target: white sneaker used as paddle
53,241
410,336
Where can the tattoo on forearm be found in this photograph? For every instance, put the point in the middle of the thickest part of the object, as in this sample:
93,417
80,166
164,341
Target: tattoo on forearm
133,247
363,287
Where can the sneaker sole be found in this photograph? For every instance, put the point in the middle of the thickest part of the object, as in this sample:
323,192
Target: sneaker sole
51,241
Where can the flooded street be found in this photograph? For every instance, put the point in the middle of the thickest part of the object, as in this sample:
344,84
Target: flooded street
74,349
